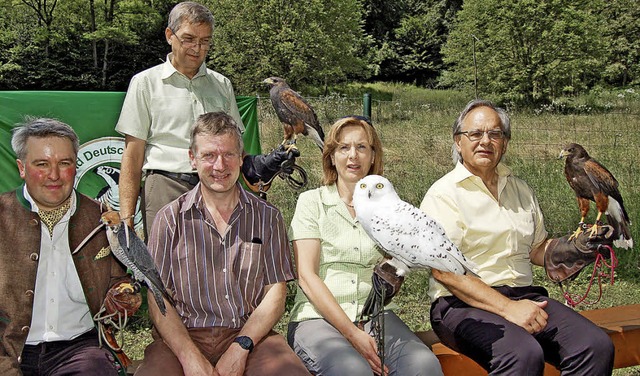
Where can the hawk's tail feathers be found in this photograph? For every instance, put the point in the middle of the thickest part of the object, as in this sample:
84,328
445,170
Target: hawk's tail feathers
158,297
616,217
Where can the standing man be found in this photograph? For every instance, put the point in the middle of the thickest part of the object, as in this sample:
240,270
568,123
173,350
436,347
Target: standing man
225,255
161,105
48,297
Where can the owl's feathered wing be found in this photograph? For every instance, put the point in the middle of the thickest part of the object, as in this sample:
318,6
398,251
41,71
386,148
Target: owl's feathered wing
416,239
407,233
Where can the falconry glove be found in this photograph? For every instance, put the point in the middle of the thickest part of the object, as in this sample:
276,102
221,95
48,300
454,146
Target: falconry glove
122,300
256,168
565,257
386,284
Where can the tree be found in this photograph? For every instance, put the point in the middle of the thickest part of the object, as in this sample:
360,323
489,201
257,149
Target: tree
311,42
623,29
408,36
527,51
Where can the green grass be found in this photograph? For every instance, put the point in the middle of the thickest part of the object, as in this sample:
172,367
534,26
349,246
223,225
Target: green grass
415,127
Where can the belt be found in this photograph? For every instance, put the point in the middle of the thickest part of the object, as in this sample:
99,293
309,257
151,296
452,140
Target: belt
191,179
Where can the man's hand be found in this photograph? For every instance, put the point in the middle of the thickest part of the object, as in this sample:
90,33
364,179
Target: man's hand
528,314
233,361
257,168
565,257
199,366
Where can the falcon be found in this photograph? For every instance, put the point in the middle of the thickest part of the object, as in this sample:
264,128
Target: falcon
295,114
410,236
131,251
591,181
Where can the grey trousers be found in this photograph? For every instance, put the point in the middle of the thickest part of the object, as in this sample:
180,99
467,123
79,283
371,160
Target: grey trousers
324,351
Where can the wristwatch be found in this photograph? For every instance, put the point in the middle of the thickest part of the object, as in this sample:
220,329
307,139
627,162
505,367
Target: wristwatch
245,342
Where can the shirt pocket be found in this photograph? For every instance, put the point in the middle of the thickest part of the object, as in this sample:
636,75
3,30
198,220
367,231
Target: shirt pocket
523,231
249,264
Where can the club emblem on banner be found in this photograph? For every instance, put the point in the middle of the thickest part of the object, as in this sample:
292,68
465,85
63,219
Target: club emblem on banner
99,173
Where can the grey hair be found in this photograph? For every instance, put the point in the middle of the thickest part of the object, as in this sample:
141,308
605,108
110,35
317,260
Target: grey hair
41,128
216,123
505,123
189,12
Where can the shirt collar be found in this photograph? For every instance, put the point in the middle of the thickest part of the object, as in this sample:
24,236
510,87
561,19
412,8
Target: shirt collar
169,70
193,198
329,195
460,173
30,204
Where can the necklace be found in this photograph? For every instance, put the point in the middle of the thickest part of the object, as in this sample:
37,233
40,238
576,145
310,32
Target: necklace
349,205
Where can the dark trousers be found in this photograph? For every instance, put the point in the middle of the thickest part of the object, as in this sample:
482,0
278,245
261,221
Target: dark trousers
570,342
80,356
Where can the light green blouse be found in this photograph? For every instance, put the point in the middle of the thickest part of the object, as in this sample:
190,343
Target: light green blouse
347,257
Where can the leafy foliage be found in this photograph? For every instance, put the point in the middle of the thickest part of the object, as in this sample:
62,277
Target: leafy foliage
315,41
526,51
529,51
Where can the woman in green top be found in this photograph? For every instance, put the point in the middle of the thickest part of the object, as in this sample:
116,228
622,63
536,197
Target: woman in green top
335,260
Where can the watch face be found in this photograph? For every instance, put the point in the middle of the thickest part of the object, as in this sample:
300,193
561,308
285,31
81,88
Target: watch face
245,342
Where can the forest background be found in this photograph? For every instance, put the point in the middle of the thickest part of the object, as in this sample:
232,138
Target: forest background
567,70
523,51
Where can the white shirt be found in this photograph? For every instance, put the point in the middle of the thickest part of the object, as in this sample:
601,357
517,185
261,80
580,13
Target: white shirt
60,310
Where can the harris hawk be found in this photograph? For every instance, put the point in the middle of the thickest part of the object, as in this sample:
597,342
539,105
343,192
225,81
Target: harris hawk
295,114
591,181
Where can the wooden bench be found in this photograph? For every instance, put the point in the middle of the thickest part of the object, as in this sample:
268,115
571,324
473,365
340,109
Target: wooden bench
621,323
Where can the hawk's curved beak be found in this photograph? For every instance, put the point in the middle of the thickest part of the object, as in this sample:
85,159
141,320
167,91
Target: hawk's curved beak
563,154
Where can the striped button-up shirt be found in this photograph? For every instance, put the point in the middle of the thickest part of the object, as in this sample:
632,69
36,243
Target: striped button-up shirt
219,279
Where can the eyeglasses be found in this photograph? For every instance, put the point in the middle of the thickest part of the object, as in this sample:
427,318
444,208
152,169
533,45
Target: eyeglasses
345,149
211,158
191,42
477,135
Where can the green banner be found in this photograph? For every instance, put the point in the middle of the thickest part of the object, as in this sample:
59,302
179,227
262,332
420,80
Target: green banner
93,116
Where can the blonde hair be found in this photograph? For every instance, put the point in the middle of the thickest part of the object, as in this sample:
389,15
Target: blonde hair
329,172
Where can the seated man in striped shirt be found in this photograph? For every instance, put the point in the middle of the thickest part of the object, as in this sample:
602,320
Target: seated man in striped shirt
225,256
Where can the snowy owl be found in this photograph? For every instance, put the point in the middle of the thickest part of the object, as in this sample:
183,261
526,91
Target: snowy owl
410,236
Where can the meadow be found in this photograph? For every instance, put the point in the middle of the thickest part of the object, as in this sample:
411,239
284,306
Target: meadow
415,127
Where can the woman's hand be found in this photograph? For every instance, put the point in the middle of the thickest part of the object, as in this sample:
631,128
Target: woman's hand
366,346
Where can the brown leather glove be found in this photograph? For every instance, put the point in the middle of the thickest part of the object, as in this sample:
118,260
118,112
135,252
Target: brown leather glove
385,274
565,258
122,298
384,277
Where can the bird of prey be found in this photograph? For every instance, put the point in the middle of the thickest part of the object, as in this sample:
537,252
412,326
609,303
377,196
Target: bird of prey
295,114
411,237
132,252
591,181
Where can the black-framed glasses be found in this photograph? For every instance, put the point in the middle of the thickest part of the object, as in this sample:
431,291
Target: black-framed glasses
476,135
191,42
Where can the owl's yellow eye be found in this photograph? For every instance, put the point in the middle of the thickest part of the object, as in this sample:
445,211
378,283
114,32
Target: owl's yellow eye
379,185
363,185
